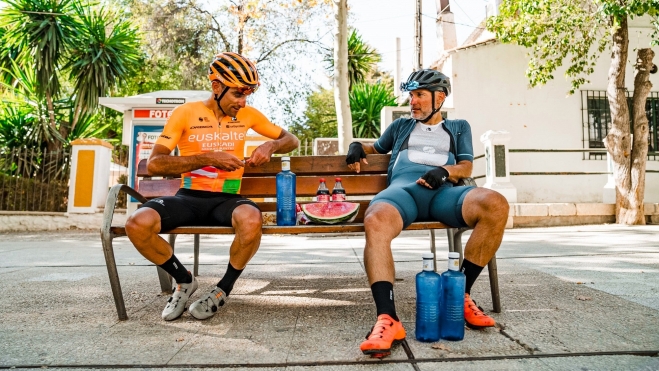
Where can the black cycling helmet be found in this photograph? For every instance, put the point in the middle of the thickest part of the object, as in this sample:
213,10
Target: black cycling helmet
430,80
427,79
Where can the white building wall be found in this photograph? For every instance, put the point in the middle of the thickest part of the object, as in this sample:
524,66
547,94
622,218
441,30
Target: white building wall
491,91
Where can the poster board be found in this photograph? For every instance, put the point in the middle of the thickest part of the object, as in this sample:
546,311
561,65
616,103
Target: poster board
143,140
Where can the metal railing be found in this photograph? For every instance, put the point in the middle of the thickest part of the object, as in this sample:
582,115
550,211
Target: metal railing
305,149
590,150
34,180
596,121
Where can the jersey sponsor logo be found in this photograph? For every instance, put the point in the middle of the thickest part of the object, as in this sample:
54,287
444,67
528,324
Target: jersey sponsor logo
201,127
165,136
234,119
206,119
210,137
201,119
235,126
206,172
215,146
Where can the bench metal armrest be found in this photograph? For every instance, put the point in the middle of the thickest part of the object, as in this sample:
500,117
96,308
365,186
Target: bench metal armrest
111,201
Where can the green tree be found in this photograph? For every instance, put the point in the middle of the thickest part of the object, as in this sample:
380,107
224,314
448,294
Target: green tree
577,32
186,34
366,103
76,53
319,118
362,59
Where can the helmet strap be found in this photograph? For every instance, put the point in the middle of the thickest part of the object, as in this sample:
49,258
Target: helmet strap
218,98
434,111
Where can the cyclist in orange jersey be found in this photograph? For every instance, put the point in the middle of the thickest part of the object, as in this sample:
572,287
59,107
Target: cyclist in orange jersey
210,136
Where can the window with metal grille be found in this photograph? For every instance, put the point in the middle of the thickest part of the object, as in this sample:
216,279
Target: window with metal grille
596,121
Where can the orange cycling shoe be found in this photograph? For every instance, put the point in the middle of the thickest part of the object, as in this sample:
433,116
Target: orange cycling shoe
383,336
474,316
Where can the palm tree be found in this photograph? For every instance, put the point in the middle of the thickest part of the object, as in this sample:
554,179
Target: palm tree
104,54
41,29
96,47
362,58
366,102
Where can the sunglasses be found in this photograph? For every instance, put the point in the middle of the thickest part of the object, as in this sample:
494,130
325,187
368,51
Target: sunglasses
409,86
247,90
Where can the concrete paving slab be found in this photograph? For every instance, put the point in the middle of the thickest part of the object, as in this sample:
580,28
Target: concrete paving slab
602,363
503,365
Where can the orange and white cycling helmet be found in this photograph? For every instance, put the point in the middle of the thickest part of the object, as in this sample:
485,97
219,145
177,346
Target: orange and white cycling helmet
234,71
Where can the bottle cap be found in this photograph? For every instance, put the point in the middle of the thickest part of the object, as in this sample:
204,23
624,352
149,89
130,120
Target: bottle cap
322,180
454,255
427,255
337,179
285,158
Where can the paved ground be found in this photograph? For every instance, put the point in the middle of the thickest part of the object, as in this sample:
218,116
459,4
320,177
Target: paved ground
574,298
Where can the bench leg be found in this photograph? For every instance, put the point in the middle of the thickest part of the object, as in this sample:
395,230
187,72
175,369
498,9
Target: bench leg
457,241
494,284
196,255
491,270
164,277
433,249
108,251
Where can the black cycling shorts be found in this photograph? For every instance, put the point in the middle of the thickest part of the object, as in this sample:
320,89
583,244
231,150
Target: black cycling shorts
196,208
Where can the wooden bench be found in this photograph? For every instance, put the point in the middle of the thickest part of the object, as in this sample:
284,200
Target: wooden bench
259,183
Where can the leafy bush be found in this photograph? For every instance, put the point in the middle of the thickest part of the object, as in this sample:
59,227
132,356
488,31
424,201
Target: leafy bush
366,102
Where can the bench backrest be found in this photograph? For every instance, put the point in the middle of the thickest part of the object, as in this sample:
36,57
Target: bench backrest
259,182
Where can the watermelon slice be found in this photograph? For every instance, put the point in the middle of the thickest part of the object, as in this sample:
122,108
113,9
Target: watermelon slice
330,212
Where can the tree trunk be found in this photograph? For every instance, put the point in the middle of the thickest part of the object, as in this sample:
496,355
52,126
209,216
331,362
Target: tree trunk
341,80
54,144
642,87
618,142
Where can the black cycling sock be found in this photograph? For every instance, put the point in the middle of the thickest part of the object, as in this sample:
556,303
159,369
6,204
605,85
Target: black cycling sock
471,272
230,277
176,270
383,293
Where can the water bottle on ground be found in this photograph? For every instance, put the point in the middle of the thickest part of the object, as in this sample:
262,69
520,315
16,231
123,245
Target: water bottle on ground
452,322
428,301
338,192
323,193
285,182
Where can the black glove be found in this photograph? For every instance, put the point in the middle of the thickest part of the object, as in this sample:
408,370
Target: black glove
355,153
436,177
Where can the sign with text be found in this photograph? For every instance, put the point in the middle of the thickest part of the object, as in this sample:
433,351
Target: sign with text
152,114
170,100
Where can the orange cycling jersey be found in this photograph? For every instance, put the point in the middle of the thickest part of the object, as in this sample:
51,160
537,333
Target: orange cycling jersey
194,128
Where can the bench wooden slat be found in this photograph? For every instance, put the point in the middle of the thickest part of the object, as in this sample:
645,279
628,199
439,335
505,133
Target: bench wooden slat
298,229
306,186
307,165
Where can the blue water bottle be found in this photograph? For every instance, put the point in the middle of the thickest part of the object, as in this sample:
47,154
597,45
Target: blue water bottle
285,182
428,300
452,322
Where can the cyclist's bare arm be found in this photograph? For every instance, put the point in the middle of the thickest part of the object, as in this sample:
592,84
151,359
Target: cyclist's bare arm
162,164
284,144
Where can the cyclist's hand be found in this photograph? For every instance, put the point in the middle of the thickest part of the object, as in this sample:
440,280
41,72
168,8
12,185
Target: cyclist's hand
225,161
260,155
355,156
434,178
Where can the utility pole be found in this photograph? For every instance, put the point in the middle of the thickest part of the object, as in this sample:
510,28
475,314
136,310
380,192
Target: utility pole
397,70
418,55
